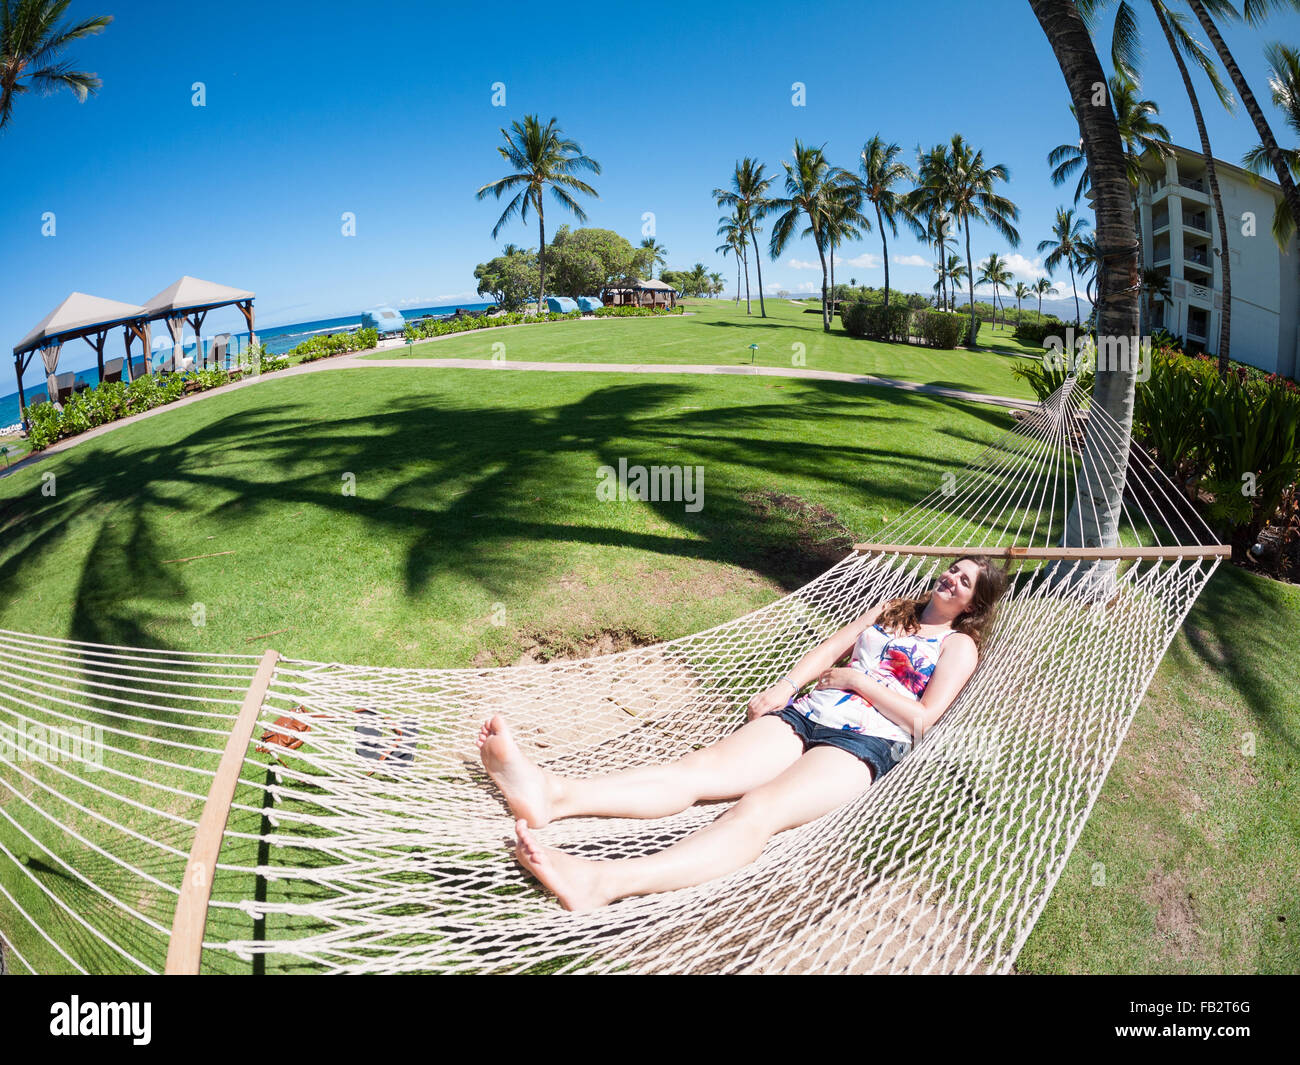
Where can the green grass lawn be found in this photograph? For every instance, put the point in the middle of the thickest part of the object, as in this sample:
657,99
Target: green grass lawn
475,503
718,332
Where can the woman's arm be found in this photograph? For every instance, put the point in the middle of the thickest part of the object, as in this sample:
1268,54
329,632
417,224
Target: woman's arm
812,665
957,661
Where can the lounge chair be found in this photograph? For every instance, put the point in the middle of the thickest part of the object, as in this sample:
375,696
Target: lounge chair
65,385
218,353
112,370
35,399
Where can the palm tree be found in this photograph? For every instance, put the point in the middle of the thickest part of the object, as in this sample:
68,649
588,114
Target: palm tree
1043,286
955,271
968,186
881,172
1088,262
715,283
31,48
733,226
1138,129
733,243
927,204
1285,83
1094,517
698,279
749,189
994,271
1021,291
843,217
1253,12
656,254
541,157
808,182
1067,231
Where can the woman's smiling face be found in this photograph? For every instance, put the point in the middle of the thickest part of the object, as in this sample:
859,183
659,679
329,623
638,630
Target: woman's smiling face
956,584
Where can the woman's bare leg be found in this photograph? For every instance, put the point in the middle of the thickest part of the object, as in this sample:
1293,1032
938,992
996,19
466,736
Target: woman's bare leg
740,762
817,783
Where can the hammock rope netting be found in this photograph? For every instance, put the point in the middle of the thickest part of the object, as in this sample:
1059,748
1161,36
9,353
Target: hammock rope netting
367,837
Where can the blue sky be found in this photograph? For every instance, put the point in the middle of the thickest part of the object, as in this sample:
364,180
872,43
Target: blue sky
313,110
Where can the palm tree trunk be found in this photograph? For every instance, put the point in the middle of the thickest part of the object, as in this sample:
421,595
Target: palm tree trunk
831,316
1094,515
884,242
541,253
1075,289
1211,174
970,278
1289,190
744,257
758,265
826,318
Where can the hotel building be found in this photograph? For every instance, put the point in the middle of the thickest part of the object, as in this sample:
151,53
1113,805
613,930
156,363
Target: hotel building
1181,241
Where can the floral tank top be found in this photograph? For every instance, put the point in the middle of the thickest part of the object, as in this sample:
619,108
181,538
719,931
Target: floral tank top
903,663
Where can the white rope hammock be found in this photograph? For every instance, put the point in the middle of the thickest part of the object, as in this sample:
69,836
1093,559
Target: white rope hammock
378,844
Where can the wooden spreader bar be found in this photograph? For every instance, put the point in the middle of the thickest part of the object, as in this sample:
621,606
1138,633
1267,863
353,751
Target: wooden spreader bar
185,949
1100,553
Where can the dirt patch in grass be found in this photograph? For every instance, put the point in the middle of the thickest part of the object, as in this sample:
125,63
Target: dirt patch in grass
1175,912
551,645
555,645
816,539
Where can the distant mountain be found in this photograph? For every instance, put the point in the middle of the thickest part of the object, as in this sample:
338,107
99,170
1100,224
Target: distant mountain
1060,308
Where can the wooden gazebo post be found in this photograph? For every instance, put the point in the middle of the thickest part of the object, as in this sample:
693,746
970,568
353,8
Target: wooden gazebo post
20,365
96,341
246,308
196,323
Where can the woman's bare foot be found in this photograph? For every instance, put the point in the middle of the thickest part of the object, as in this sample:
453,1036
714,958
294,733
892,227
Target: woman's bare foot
571,880
524,785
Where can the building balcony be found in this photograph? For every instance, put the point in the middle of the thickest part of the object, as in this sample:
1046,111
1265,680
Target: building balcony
1191,189
1197,222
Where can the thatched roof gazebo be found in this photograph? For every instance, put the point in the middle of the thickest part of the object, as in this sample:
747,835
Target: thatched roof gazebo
650,293
79,316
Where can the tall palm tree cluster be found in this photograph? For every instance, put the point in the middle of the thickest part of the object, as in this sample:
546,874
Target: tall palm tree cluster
951,188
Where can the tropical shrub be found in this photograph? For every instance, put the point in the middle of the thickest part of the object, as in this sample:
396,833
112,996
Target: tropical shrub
636,312
1253,445
1032,333
853,316
1046,375
42,425
321,347
941,329
1170,412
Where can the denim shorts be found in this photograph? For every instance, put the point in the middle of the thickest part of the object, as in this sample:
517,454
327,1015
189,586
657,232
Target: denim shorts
879,753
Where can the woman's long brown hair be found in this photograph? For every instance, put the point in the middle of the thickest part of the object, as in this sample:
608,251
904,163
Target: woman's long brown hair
974,621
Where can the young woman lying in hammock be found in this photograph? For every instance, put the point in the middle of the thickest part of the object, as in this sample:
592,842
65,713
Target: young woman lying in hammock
795,760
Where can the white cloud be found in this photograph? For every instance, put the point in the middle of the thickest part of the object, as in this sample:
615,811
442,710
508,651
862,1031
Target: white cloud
800,264
808,286
910,260
1026,269
865,261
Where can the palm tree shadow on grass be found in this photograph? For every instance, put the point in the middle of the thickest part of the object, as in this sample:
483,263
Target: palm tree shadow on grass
458,486
1227,612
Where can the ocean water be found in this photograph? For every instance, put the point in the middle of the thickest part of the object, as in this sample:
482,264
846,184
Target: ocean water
276,339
